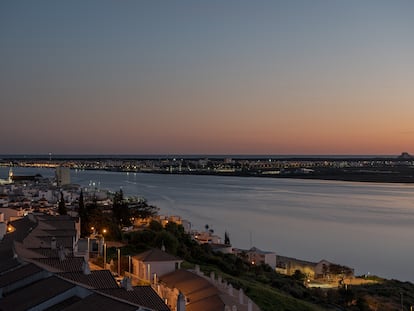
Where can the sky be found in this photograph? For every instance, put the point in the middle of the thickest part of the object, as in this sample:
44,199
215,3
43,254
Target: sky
207,77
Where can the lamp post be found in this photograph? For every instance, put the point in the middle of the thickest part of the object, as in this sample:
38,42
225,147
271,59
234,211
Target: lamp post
104,255
119,262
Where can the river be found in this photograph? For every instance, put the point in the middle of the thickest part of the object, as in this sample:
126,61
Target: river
366,226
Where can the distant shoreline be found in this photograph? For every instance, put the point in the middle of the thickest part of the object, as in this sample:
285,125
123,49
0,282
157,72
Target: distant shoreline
375,169
374,178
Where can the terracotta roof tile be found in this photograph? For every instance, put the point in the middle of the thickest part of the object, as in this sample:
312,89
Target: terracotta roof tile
20,273
34,294
99,279
202,295
49,253
140,295
71,264
156,254
97,302
23,227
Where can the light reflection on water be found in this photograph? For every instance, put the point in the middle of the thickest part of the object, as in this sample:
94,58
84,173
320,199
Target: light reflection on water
363,225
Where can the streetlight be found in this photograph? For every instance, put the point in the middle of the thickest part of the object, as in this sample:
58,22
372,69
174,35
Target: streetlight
119,262
104,255
103,235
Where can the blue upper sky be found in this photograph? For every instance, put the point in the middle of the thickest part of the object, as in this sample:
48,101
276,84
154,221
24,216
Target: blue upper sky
276,77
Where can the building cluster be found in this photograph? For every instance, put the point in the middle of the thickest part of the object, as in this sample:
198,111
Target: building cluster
317,274
45,264
43,268
21,195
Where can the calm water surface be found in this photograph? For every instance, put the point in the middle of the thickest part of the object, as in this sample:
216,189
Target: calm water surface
366,226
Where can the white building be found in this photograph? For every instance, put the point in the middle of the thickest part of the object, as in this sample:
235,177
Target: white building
62,175
257,256
154,263
11,214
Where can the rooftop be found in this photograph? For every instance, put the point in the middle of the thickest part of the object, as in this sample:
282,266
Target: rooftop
98,279
141,295
34,294
155,254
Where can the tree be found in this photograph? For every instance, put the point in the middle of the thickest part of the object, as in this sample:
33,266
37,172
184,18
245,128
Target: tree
155,226
299,276
120,210
167,239
141,209
83,215
226,238
62,206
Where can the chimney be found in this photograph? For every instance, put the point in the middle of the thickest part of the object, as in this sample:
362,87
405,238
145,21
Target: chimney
241,296
212,276
180,302
53,243
61,253
126,284
85,268
230,290
249,305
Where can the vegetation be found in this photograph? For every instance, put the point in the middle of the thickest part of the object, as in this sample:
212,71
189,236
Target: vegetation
62,205
268,289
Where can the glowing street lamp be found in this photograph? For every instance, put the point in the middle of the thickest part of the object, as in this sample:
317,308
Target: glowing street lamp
104,255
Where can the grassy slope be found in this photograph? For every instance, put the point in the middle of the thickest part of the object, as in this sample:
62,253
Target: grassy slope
265,296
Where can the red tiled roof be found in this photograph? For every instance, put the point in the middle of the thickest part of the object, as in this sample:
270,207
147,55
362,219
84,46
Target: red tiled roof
18,274
202,295
140,295
70,264
23,227
65,241
97,302
99,279
154,255
34,294
57,232
50,253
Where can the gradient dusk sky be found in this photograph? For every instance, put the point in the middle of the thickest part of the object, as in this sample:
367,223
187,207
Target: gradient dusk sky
207,77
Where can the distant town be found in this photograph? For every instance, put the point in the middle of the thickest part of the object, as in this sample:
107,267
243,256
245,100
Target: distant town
371,169
95,248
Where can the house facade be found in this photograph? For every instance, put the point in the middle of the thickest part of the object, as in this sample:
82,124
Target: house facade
153,263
